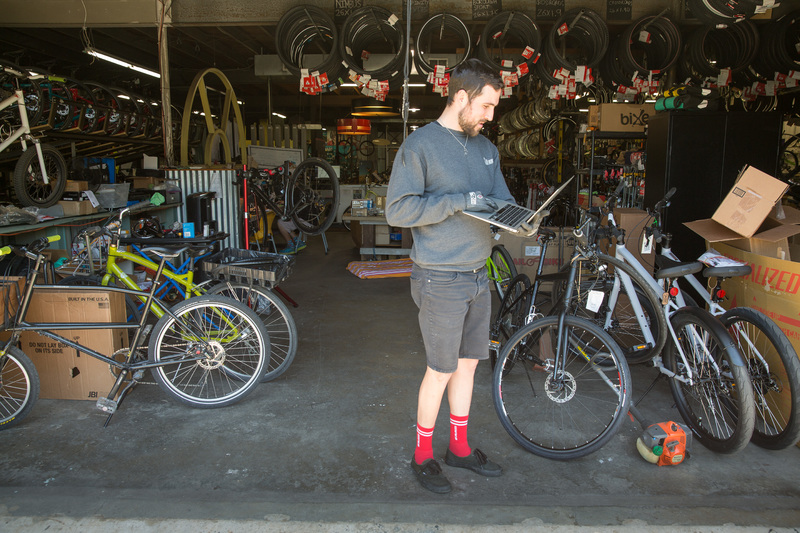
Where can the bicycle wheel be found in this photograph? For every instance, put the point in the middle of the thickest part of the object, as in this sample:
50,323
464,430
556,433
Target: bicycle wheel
561,409
718,404
775,373
502,269
314,192
615,312
29,186
19,387
511,315
211,354
276,318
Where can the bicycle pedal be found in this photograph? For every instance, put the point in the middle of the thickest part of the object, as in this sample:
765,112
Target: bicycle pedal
106,405
139,374
494,345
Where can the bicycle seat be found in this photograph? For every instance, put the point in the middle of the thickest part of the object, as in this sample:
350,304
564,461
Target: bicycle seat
169,252
727,271
667,268
547,233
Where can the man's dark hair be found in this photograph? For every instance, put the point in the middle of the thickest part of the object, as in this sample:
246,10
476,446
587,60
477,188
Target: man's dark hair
472,76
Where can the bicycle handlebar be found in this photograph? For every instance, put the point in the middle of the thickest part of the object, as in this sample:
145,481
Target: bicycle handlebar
34,247
664,202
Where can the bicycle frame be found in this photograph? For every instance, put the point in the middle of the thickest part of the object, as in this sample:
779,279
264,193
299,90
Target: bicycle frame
670,305
288,205
113,270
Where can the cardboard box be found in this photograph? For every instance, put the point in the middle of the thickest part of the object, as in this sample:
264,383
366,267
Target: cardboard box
382,236
76,186
620,117
750,216
65,373
146,182
773,287
73,208
527,252
10,294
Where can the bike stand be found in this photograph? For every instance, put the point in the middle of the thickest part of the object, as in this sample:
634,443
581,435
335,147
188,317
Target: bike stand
285,296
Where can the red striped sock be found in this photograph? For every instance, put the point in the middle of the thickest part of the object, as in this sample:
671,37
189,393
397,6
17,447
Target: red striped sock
424,449
458,436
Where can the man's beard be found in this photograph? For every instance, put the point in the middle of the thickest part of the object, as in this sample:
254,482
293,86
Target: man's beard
470,128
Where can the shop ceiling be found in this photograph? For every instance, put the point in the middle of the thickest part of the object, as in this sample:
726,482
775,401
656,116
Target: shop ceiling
224,34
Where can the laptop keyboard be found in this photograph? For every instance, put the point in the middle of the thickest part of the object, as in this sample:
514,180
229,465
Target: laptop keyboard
510,215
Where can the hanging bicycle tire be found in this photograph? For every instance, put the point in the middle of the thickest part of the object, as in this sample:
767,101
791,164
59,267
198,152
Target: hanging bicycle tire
437,36
373,30
305,32
584,36
509,40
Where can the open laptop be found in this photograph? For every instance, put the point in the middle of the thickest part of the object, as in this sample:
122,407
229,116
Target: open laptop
510,216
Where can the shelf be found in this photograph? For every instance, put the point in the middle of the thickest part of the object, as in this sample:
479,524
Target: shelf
68,221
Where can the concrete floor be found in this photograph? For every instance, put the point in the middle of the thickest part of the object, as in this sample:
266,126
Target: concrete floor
326,448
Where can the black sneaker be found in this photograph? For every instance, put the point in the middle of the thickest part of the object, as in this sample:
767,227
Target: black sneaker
475,461
430,475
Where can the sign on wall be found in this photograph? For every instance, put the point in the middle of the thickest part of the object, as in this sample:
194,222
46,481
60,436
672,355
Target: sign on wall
549,9
485,9
343,8
619,9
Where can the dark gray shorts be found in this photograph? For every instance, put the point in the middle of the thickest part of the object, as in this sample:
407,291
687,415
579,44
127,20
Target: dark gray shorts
454,312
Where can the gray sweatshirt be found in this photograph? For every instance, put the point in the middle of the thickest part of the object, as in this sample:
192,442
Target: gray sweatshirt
430,175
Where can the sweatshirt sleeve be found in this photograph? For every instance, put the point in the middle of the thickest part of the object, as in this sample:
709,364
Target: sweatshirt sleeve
407,204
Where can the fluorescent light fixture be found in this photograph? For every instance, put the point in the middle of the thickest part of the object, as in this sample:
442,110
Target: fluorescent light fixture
348,85
121,62
279,115
413,109
584,110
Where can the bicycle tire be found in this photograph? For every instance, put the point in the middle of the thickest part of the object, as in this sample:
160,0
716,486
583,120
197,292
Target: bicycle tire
619,318
775,374
235,364
276,318
19,387
719,407
511,314
568,420
502,269
29,187
314,195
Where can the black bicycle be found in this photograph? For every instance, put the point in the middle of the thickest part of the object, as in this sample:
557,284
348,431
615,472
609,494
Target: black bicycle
309,196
